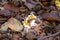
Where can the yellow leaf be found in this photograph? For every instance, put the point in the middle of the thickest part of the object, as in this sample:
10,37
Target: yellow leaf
57,2
32,16
26,22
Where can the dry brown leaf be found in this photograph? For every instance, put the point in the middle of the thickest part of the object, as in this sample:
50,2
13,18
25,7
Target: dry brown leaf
52,16
13,24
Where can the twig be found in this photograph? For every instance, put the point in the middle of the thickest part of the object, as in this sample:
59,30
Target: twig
49,36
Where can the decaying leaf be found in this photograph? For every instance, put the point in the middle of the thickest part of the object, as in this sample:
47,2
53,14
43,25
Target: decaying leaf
51,16
11,6
13,24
